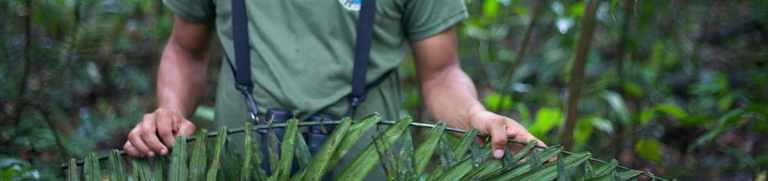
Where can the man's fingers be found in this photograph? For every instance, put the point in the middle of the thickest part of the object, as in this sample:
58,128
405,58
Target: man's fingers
186,128
150,138
130,149
498,140
521,134
135,138
164,123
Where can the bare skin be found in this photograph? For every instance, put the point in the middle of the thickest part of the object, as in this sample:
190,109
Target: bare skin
448,92
450,95
180,81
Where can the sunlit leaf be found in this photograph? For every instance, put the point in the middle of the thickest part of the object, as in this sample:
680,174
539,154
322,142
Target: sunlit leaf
546,119
672,110
649,149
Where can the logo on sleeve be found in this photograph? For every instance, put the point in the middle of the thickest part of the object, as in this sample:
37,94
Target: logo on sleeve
351,5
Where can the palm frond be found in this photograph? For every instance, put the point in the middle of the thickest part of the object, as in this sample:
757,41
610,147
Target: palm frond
435,158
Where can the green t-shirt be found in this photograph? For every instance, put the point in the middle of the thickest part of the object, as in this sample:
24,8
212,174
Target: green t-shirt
302,50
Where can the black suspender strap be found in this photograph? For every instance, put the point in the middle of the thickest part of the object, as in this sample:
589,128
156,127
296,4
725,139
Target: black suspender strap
362,54
242,66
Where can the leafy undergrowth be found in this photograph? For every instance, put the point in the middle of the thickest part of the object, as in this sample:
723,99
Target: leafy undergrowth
439,156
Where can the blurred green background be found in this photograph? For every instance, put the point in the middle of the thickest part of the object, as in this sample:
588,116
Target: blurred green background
678,88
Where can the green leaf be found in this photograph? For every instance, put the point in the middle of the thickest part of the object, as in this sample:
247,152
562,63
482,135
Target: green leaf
364,162
604,170
672,110
302,153
319,164
405,171
479,153
386,156
427,149
232,162
494,102
91,168
546,119
355,132
576,9
198,160
583,130
490,166
457,172
510,160
626,175
116,163
646,116
533,162
649,149
216,163
617,105
245,170
726,122
272,147
602,125
178,170
286,155
141,170
156,173
465,142
447,159
490,10
633,89
550,171
72,171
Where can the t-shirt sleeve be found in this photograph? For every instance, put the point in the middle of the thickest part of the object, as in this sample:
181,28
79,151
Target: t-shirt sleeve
199,11
426,18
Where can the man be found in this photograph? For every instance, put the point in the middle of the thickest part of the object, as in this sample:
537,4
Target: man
302,60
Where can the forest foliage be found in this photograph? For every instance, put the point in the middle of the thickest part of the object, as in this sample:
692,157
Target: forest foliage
676,88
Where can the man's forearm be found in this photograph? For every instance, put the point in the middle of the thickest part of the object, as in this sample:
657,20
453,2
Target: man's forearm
450,95
181,78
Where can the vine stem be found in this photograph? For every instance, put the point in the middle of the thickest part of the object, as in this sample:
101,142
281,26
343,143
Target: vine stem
315,123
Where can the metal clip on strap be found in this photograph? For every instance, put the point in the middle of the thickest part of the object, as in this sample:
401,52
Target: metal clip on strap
242,72
253,108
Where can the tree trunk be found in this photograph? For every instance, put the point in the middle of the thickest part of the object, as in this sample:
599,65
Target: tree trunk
577,72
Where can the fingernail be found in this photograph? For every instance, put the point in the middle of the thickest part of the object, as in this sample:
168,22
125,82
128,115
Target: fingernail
151,154
498,153
163,151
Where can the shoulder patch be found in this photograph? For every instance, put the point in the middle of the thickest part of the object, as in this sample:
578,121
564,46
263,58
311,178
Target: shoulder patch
351,5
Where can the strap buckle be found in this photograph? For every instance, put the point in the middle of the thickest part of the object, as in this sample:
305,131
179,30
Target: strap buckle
250,102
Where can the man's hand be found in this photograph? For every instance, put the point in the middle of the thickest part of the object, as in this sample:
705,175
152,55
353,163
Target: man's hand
450,95
145,138
181,77
500,128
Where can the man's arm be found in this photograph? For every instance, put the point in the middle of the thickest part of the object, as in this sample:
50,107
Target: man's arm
450,95
181,80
